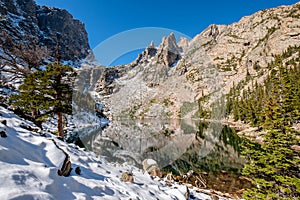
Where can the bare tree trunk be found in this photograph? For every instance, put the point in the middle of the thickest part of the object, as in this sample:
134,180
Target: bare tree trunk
34,116
60,125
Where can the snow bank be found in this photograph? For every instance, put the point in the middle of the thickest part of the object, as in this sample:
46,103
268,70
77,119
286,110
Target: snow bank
29,164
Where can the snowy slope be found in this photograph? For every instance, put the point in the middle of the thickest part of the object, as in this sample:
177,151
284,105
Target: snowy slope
29,164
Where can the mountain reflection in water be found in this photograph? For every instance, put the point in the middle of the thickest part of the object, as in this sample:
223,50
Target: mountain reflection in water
179,145
211,150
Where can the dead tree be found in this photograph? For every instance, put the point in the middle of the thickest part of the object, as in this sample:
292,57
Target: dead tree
19,56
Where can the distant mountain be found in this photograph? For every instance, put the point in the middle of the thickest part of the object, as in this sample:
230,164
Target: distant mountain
170,80
23,19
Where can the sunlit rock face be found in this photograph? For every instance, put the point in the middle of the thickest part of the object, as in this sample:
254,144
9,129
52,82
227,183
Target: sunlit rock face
167,81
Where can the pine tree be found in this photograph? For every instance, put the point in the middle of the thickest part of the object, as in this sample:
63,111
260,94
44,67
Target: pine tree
274,166
47,93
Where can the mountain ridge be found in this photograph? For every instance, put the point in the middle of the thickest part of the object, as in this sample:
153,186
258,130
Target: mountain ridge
214,60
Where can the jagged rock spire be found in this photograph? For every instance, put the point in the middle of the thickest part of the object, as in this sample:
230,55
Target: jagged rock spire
183,43
168,51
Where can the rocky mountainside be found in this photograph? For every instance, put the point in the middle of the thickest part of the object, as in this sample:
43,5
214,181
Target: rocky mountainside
24,19
171,79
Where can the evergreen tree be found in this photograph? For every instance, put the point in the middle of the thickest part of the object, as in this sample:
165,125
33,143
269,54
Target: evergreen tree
47,93
275,105
274,166
281,86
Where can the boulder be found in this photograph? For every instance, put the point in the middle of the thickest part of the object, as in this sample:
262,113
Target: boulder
3,134
151,166
4,122
127,177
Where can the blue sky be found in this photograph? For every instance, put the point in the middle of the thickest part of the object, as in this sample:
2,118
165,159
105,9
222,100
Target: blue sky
106,18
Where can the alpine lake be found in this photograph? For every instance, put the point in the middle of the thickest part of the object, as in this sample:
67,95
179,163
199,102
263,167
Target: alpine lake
211,150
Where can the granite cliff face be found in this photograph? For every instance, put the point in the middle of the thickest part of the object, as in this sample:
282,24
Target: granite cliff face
169,80
23,19
249,44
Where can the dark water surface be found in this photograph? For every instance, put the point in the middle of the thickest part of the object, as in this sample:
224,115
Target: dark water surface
211,150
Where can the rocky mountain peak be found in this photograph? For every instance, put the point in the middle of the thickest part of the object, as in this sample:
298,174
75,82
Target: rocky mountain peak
146,55
168,52
22,19
216,59
183,43
213,31
151,44
59,25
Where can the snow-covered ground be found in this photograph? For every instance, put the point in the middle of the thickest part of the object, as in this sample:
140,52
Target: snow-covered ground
29,164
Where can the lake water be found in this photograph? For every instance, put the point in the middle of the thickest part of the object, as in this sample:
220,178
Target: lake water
209,149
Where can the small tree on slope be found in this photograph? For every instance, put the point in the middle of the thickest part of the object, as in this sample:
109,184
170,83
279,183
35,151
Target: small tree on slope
47,93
